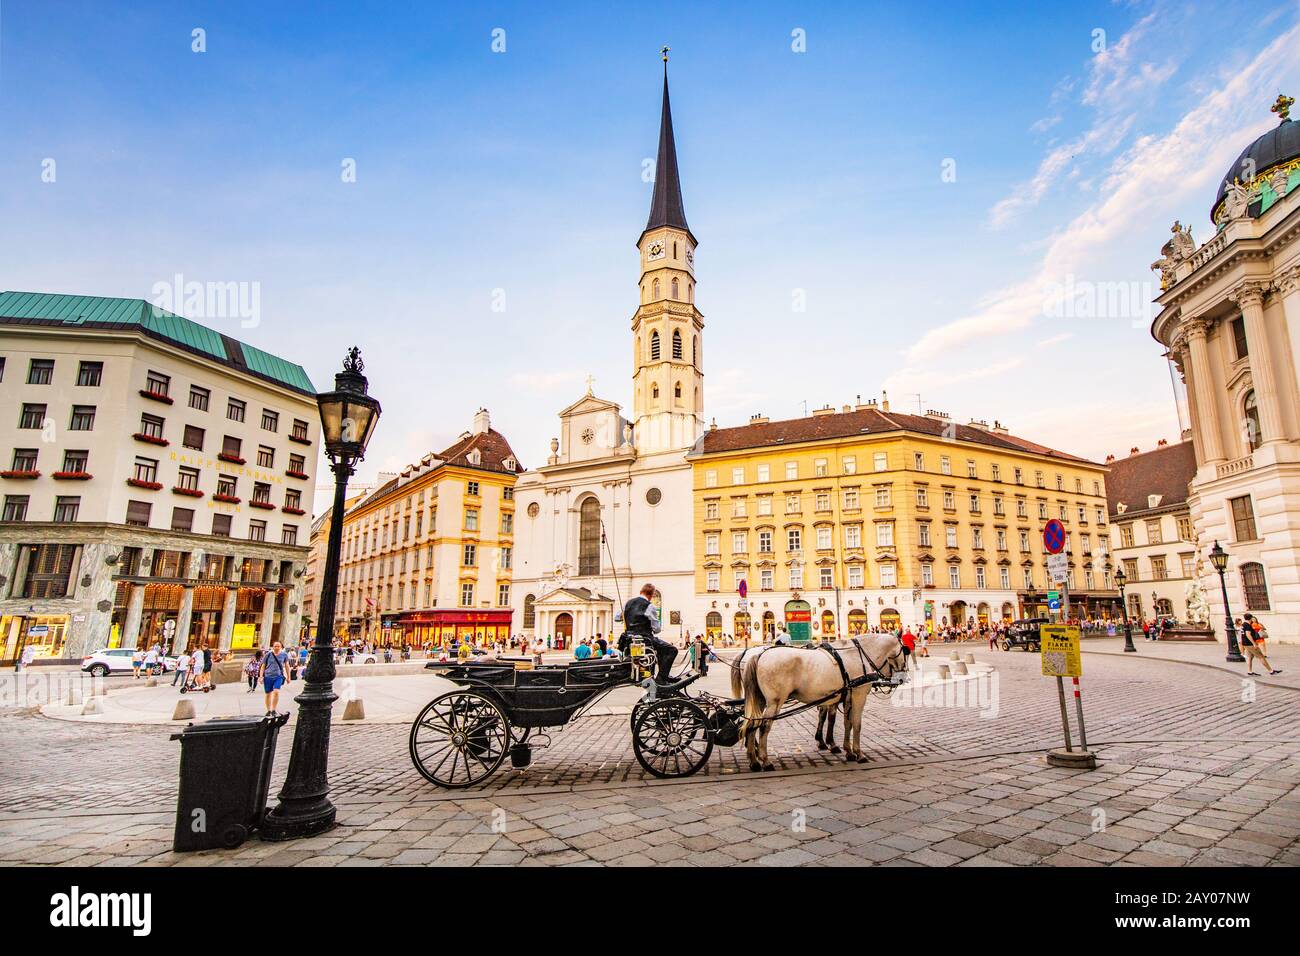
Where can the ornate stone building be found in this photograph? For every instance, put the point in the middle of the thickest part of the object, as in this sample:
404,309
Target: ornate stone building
1230,317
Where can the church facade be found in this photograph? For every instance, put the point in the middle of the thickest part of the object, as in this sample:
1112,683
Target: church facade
611,508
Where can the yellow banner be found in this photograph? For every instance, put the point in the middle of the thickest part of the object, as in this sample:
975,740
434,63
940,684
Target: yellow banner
1060,650
244,636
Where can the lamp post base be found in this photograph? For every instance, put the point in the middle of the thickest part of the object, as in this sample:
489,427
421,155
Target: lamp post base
1072,759
279,826
1235,657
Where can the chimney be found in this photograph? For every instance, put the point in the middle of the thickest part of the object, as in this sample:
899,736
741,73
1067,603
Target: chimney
759,419
824,410
1162,443
884,401
482,422
935,415
980,424
998,428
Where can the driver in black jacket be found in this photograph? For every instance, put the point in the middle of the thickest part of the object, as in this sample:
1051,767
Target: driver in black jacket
641,620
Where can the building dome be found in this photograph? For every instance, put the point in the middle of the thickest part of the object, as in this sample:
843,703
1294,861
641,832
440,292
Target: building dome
1276,150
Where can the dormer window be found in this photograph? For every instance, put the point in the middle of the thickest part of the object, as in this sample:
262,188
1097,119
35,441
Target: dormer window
475,457
510,464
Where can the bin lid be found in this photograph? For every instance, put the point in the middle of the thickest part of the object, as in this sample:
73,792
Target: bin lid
226,725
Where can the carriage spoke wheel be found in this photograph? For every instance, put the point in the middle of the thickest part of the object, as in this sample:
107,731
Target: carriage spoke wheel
459,739
672,738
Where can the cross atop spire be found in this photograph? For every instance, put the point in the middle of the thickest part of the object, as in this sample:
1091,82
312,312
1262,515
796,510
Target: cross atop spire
1282,106
666,207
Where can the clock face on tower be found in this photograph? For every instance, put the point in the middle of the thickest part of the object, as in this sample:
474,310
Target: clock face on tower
588,436
690,257
656,250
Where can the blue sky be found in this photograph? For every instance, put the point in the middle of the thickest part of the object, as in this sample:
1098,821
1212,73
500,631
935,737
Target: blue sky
816,175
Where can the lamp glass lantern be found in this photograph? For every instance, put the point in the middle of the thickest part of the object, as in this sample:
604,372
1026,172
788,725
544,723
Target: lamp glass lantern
1219,558
348,415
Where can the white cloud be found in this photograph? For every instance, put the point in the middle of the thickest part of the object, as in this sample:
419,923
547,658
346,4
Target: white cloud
1044,124
1153,173
1055,340
1116,73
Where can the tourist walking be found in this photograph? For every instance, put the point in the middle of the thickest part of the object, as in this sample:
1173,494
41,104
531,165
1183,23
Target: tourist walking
1254,638
272,672
252,669
182,669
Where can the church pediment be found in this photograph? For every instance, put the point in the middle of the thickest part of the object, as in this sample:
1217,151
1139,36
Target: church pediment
587,404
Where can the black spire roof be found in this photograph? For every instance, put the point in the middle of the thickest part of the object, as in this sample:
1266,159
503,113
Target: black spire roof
666,204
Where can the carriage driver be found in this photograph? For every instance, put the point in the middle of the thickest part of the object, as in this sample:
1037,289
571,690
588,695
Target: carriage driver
641,619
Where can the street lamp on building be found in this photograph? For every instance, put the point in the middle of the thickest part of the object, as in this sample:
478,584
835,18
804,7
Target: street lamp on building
1219,558
348,416
1120,580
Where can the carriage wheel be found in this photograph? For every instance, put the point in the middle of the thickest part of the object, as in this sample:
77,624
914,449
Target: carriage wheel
459,739
672,738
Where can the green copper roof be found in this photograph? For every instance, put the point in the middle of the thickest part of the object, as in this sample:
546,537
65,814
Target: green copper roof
46,308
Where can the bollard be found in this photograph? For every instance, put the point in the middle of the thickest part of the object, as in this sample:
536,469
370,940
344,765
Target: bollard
970,658
151,682
71,698
94,705
942,671
354,710
959,668
184,710
955,656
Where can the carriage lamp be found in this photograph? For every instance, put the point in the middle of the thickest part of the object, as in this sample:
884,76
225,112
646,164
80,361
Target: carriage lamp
348,417
1219,559
1120,580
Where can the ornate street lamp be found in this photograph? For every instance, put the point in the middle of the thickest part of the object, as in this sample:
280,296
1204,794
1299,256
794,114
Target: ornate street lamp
1219,558
1120,580
348,417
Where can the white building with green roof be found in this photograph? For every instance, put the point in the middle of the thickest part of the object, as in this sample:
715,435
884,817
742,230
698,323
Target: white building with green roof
156,481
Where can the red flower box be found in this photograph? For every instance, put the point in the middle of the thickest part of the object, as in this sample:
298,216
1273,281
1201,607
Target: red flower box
150,485
72,476
264,505
188,492
300,441
228,499
20,474
150,439
233,459
157,396
297,474
292,511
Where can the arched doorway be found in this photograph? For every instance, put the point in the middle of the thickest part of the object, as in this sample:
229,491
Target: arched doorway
563,630
1008,612
857,621
713,625
740,625
769,625
828,624
889,619
957,612
983,612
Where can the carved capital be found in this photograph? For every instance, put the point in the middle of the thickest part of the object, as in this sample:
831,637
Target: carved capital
1249,294
1288,282
1194,328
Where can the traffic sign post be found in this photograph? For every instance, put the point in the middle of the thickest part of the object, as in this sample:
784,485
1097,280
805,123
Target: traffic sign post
1059,649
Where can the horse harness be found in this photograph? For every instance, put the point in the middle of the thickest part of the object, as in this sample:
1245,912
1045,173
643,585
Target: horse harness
868,677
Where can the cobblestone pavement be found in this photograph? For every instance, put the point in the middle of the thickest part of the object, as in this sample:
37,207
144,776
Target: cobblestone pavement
1197,767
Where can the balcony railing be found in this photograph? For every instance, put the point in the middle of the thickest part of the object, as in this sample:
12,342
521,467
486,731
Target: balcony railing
1236,466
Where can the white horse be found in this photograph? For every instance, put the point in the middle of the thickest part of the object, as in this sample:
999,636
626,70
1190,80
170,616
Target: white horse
825,712
779,674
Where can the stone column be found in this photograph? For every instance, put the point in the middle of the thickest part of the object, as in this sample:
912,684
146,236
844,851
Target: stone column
1207,409
134,611
1249,297
1288,289
184,617
227,632
267,624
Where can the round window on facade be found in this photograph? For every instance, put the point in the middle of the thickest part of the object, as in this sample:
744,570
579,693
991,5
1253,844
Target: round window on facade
533,510
654,496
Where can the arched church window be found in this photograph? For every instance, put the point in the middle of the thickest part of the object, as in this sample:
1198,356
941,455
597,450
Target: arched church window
674,250
530,611
654,346
1250,411
677,391
677,344
654,289
675,294
589,537
654,392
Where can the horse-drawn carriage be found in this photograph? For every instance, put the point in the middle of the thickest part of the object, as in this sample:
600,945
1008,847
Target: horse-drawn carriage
504,707
1024,634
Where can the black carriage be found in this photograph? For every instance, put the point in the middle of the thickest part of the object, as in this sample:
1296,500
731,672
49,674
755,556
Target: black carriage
1024,634
503,707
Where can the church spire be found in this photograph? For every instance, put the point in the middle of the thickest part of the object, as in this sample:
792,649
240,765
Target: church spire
666,204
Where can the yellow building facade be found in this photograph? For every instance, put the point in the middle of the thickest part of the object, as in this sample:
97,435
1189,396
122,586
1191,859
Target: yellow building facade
428,557
878,519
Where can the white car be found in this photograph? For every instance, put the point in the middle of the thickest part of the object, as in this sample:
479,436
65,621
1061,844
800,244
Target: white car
107,661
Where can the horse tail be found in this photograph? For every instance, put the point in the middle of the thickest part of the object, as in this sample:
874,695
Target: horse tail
755,702
737,688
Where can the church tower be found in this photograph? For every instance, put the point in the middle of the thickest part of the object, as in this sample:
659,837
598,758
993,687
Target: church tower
667,329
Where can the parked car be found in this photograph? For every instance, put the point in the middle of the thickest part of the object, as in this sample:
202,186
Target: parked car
1023,634
109,660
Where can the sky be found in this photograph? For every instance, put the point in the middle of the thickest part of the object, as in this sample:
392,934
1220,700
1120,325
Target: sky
959,208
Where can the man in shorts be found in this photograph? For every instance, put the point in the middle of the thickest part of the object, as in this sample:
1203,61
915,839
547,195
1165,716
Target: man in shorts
273,671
